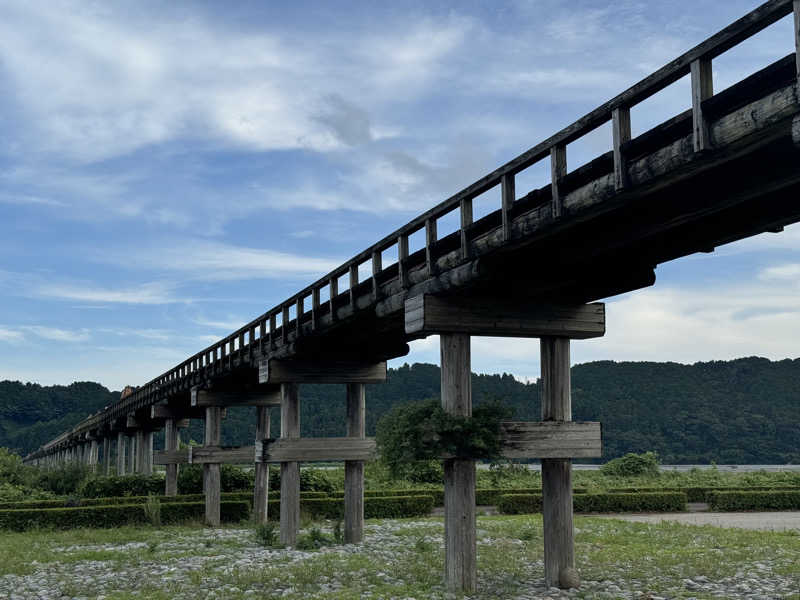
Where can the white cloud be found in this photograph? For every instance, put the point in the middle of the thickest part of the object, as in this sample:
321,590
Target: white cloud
148,293
58,335
10,335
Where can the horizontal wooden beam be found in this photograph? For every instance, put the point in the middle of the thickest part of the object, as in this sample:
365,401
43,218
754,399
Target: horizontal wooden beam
205,454
315,449
320,371
265,396
426,314
165,411
551,439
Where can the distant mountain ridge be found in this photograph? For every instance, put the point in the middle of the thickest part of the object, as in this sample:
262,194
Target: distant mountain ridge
740,411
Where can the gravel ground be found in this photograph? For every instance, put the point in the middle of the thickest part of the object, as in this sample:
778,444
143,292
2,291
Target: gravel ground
763,521
199,564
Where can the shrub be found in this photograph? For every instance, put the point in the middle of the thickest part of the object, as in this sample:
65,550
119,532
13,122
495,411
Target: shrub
632,465
11,492
436,494
114,516
232,479
585,503
267,535
392,507
152,511
64,479
311,480
754,500
135,484
314,540
12,471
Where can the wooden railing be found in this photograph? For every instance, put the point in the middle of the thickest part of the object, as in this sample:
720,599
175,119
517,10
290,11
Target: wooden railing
272,329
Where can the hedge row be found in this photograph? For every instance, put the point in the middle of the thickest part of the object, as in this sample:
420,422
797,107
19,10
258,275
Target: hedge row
483,496
512,504
700,494
115,516
754,500
75,502
375,507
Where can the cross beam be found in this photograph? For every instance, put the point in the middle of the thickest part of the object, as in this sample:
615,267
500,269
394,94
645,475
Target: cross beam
320,371
426,314
201,455
261,396
314,449
551,439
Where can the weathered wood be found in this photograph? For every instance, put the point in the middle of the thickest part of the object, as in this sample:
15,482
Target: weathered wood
170,445
431,235
261,486
92,455
200,455
290,470
559,551
621,131
558,170
131,445
702,89
402,256
165,411
459,474
211,473
262,396
551,439
106,456
320,371
797,35
508,195
315,449
354,469
498,317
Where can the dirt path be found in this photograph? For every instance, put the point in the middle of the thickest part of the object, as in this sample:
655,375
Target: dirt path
765,521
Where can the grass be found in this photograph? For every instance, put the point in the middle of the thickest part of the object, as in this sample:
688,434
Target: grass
398,559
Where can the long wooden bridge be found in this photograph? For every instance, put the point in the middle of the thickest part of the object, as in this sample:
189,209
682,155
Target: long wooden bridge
726,169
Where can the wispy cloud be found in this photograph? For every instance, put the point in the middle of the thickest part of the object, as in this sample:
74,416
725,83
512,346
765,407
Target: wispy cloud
10,335
58,335
149,293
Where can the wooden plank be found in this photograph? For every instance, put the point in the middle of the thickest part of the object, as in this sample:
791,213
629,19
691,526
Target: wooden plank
246,396
551,439
354,469
261,484
430,239
377,267
211,472
165,411
508,196
429,314
558,170
465,209
559,547
702,89
460,565
275,371
315,449
402,256
200,455
290,470
621,130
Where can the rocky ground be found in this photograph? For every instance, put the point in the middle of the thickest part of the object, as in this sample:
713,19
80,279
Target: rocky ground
398,559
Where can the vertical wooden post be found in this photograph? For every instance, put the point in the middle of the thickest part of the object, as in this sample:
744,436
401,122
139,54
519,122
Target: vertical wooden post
702,89
354,469
290,471
465,207
106,456
131,454
621,131
353,284
430,239
402,256
171,443
797,35
459,473
261,488
92,455
559,552
508,195
211,475
558,170
120,453
140,445
377,267
147,453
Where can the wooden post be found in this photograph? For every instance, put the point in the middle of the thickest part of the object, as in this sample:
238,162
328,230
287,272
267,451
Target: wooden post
702,89
211,474
261,491
171,443
797,35
558,169
465,207
459,474
147,453
508,195
559,552
106,456
354,469
131,468
92,455
290,471
430,239
621,131
120,453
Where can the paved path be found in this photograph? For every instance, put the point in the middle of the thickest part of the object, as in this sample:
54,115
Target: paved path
767,521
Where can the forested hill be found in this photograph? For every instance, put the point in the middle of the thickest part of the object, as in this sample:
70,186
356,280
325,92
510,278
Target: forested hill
740,411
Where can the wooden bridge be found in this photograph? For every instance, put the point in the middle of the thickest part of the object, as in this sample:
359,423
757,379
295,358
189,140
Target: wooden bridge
726,169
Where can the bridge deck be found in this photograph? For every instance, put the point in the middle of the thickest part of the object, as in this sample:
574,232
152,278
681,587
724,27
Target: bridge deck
722,171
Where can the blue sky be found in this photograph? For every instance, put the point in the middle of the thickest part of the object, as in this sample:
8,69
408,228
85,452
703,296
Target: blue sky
169,171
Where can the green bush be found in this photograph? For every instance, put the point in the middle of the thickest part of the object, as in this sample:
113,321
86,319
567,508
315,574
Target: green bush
632,465
135,484
114,516
11,492
588,503
436,494
311,480
754,500
63,480
232,479
375,507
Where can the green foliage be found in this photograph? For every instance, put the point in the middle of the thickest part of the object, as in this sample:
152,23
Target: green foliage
63,480
266,534
632,465
423,431
152,511
598,503
754,500
115,516
311,480
314,540
136,484
232,479
375,507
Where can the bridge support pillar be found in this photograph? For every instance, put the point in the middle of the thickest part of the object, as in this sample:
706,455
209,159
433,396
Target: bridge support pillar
261,469
131,445
459,474
106,456
354,469
559,550
120,453
92,454
290,471
144,452
211,472
171,443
